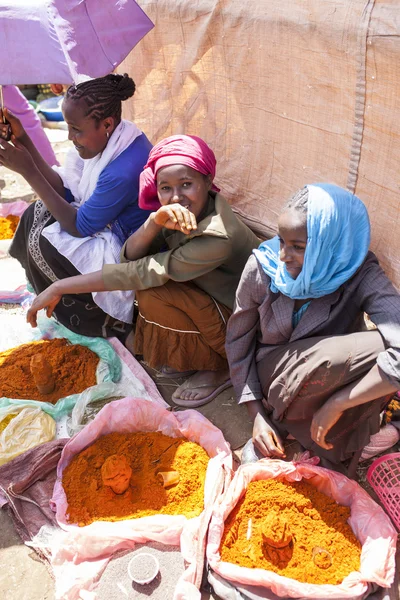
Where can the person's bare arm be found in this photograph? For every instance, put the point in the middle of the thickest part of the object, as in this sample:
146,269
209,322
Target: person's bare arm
370,387
23,138
17,158
61,210
50,297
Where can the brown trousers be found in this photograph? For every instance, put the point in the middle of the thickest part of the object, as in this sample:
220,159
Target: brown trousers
299,377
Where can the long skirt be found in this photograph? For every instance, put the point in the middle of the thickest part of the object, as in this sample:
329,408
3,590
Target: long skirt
298,378
182,327
44,265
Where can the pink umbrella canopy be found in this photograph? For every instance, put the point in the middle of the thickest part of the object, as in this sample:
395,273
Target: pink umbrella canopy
65,41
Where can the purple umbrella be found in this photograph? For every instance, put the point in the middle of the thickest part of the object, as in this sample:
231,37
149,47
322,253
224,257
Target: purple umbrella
65,41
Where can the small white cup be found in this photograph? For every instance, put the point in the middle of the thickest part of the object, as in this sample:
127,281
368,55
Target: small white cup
152,566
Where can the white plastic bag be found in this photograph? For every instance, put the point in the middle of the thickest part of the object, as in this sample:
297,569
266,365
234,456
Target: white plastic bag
29,428
99,392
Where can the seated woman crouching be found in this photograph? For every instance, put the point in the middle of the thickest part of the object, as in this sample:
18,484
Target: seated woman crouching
184,263
296,353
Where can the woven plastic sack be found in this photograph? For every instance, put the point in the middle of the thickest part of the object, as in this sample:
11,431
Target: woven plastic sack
79,556
29,428
370,524
108,370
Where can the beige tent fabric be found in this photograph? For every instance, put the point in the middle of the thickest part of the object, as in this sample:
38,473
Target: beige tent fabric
286,93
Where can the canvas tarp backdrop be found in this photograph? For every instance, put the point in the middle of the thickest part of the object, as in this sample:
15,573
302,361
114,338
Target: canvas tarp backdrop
286,93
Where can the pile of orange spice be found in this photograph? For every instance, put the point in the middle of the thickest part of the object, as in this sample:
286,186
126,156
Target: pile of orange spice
74,368
147,454
323,548
8,226
393,406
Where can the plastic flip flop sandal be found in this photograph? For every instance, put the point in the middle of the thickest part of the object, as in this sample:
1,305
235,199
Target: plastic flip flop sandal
202,401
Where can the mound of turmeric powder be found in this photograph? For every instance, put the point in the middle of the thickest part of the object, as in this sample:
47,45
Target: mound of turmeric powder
269,510
8,226
74,369
147,454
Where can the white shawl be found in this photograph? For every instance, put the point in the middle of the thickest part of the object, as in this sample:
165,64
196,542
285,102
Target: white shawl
89,254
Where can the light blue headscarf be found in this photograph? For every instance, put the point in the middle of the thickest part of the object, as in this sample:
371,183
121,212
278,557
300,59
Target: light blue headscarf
338,237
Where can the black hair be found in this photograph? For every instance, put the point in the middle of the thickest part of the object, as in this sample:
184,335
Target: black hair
103,96
299,201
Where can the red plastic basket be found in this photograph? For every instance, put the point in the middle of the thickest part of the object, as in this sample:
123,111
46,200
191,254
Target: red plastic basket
384,477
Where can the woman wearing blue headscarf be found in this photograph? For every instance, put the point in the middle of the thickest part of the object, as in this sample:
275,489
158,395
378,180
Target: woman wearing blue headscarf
297,354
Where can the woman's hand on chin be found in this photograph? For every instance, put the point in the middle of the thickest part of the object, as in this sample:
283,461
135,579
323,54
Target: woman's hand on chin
265,438
16,157
48,300
176,216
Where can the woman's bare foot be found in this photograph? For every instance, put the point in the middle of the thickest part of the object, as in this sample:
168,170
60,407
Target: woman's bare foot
202,387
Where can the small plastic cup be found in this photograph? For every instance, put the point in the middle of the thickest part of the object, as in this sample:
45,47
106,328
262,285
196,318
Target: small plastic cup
169,478
322,558
143,568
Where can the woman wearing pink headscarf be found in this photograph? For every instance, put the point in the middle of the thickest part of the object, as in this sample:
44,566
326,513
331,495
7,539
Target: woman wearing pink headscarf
184,263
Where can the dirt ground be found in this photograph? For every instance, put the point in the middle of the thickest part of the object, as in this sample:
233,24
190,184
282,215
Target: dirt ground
22,574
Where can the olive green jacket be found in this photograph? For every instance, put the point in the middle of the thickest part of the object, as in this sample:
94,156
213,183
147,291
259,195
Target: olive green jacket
213,256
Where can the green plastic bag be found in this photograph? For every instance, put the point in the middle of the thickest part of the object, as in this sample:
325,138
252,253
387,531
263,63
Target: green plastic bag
108,370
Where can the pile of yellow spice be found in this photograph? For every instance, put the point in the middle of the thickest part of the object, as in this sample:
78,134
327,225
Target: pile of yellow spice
8,226
119,477
291,529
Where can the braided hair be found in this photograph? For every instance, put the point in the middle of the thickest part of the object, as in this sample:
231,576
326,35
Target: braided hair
299,201
103,96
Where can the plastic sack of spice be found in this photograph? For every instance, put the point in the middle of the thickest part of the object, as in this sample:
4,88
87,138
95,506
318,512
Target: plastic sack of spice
10,209
368,522
81,555
23,428
108,369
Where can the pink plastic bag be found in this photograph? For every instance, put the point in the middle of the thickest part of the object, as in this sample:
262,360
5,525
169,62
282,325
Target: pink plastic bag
11,208
81,553
368,521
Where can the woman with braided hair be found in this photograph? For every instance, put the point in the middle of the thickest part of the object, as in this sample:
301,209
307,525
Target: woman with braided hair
297,354
88,207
